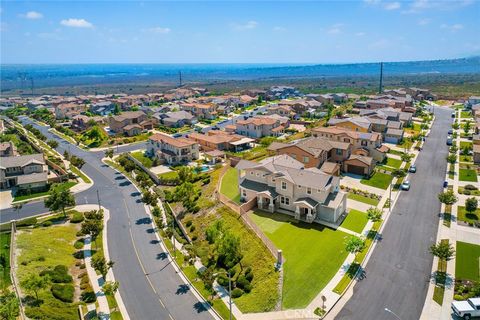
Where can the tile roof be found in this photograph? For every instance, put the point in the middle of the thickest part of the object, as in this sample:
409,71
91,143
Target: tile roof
176,142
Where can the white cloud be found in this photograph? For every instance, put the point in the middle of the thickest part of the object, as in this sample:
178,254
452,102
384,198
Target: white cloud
160,30
418,6
246,26
392,6
360,34
76,23
453,27
423,22
335,29
32,15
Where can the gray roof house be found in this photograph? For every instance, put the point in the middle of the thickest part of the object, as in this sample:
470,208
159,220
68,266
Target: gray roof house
23,172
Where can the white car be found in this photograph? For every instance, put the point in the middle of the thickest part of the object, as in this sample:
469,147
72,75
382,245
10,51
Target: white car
467,309
405,185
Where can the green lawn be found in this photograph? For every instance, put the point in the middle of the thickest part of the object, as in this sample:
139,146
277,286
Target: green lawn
140,156
355,221
467,261
466,114
466,144
378,180
171,175
41,248
313,254
468,175
5,253
392,163
79,173
66,185
361,198
229,186
462,215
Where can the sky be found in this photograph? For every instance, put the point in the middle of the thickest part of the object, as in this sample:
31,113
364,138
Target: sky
237,31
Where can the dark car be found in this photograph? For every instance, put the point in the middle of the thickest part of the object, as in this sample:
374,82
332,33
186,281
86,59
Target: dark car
445,184
412,169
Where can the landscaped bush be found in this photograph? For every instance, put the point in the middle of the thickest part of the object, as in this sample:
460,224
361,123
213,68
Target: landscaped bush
63,292
470,187
77,217
78,244
47,223
58,275
237,293
27,222
88,296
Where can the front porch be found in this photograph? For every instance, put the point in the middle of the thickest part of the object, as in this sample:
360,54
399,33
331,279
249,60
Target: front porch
305,209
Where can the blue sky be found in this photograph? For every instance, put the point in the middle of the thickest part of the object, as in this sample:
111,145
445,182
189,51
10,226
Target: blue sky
237,31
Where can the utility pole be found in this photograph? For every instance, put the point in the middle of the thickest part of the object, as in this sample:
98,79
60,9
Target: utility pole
380,87
98,199
179,78
390,198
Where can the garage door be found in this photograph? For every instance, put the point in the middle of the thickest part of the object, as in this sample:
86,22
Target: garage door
356,169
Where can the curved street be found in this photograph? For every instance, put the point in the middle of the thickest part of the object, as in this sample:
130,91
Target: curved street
149,285
398,272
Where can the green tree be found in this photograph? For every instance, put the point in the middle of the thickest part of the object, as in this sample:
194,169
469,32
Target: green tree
100,264
448,197
466,127
149,198
92,228
452,158
52,143
354,244
471,205
33,283
374,214
9,306
116,110
59,198
228,249
109,153
185,174
110,287
443,250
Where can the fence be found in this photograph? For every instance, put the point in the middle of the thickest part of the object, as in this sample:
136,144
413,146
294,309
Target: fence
145,169
12,270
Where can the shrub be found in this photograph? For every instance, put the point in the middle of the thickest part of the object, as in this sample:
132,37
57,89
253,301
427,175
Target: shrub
88,296
243,283
194,238
223,281
77,217
63,292
47,223
457,297
189,223
59,274
78,244
27,222
237,293
466,192
192,228
249,274
470,187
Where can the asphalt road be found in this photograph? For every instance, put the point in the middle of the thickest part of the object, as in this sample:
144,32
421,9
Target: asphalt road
399,269
149,285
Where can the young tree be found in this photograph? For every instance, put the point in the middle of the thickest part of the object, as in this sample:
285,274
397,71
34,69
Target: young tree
33,283
354,244
229,250
110,287
93,228
52,143
66,155
471,205
101,265
443,250
447,197
109,153
59,198
452,158
466,127
77,162
185,174
374,214
149,198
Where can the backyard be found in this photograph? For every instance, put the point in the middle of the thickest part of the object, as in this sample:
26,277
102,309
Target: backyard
307,268
467,261
229,186
378,180
140,156
355,221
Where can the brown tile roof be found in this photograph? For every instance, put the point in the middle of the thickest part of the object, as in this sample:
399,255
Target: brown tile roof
176,142
258,121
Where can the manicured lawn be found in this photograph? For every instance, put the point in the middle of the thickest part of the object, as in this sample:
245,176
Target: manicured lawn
308,267
361,198
229,186
42,248
462,215
466,158
468,175
80,174
355,221
5,253
171,175
66,185
466,114
398,153
378,180
140,156
391,162
467,261
465,144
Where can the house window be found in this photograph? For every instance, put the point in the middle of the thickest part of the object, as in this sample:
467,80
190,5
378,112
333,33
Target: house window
364,143
294,156
306,159
284,185
257,174
251,173
309,190
299,186
244,193
287,201
282,200
339,152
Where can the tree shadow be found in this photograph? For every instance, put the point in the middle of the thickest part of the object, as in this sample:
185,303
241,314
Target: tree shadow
161,256
31,301
151,230
125,183
145,220
120,178
135,194
154,242
182,289
199,307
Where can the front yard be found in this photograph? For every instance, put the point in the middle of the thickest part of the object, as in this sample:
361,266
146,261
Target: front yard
65,185
313,254
362,198
467,261
140,156
229,186
355,221
5,254
378,180
391,163
469,218
468,175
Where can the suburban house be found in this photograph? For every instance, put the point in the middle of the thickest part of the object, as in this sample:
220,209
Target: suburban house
172,150
476,149
421,94
283,184
355,124
8,149
221,140
103,108
201,110
366,144
473,100
130,123
27,172
281,92
68,110
389,114
258,127
281,110
175,119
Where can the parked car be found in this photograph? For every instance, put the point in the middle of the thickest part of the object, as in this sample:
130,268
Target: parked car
405,185
467,309
412,169
453,114
177,135
450,131
449,141
445,184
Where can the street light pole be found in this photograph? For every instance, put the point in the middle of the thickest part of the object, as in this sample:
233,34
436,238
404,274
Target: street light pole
392,313
98,199
390,198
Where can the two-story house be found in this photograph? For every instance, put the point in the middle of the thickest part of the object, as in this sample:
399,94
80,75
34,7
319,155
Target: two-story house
283,184
172,150
221,140
258,127
201,110
24,172
68,110
359,124
130,123
102,108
